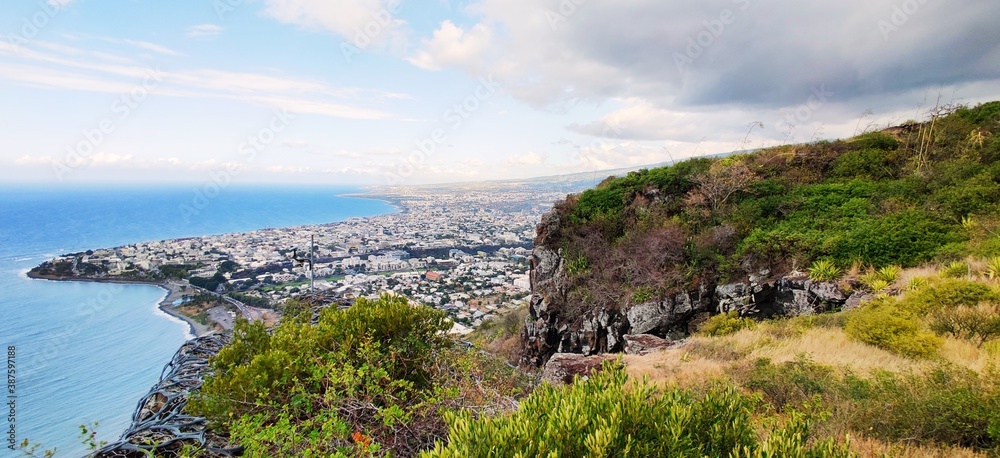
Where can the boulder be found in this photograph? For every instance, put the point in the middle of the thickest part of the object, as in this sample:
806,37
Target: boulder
644,343
563,367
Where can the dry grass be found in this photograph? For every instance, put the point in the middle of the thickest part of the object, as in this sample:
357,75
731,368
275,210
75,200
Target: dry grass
925,271
702,358
965,353
867,447
674,366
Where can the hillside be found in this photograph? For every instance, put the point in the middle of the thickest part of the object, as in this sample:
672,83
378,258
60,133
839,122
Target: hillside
659,250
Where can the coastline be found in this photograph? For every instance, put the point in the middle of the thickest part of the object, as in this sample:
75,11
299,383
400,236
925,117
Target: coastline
174,290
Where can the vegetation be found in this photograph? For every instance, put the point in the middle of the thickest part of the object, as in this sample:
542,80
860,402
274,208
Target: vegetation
911,372
889,200
370,379
604,416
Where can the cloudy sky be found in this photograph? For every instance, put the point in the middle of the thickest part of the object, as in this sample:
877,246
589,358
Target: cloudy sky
379,92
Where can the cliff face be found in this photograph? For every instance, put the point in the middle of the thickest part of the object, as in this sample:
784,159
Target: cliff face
555,324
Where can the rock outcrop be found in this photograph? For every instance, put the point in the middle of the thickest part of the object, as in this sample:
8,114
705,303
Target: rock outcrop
556,326
563,367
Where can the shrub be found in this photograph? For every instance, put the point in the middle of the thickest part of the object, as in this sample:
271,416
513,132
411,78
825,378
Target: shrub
824,270
369,379
945,294
792,383
956,269
993,268
947,405
606,416
889,273
978,323
876,140
892,329
725,324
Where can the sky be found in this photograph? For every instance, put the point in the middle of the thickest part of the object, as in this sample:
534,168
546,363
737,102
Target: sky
387,92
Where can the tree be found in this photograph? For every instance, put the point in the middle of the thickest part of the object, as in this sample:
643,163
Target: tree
720,183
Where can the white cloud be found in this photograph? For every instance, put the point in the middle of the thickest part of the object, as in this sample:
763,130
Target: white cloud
205,31
59,70
152,47
360,21
452,46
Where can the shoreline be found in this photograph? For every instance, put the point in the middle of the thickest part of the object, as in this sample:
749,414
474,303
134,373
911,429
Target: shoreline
173,290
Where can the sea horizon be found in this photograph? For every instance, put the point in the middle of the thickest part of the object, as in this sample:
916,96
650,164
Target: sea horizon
88,351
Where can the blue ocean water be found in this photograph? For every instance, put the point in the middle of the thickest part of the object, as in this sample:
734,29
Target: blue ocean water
87,352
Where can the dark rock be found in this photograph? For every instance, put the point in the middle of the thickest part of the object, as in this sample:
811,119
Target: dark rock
563,367
857,299
644,343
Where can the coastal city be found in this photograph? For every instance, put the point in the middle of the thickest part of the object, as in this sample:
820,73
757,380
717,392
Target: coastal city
464,250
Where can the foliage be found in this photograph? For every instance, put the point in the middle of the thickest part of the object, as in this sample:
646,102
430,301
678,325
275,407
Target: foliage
725,324
893,329
978,323
993,268
947,293
876,199
367,379
955,269
605,416
944,405
824,270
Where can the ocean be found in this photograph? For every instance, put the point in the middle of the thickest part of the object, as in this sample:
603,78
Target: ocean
86,352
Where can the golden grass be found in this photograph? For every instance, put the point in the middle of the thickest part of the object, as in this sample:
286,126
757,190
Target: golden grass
867,447
965,353
702,358
925,271
674,366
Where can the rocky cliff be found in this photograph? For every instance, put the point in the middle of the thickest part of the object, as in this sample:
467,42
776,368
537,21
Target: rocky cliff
549,329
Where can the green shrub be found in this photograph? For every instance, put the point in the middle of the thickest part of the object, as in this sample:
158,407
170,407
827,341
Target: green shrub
947,405
642,294
893,329
824,270
955,269
993,268
979,323
945,294
889,273
371,378
875,140
725,324
789,384
607,416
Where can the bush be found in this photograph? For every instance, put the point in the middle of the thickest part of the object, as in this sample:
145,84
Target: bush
946,294
371,378
607,416
876,140
947,405
725,324
979,323
824,270
893,329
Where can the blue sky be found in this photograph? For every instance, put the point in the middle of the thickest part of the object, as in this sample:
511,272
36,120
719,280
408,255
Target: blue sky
400,92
